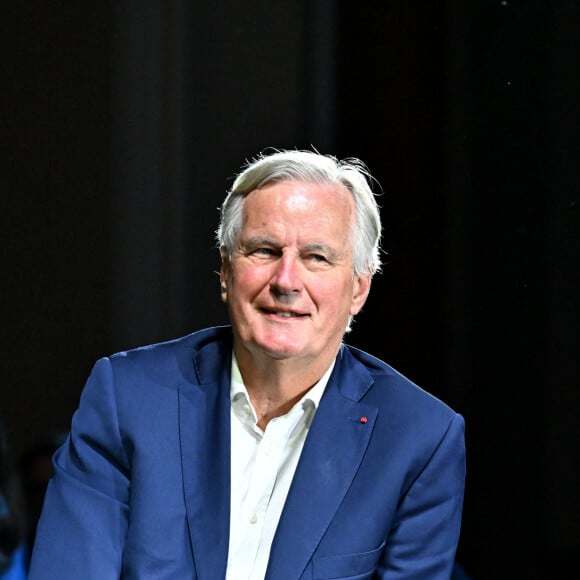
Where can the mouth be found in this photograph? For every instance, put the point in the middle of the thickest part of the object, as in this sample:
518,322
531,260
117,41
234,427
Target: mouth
283,313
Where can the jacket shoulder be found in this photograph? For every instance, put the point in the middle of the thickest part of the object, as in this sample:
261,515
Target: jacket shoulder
175,357
391,387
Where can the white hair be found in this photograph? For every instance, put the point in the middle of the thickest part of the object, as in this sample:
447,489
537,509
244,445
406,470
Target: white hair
310,167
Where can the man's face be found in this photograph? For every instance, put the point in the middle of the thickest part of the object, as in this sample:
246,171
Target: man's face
289,285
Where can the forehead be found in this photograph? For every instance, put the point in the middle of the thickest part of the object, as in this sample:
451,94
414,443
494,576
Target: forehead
298,201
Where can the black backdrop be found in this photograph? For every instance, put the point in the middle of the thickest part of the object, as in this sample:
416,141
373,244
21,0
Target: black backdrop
123,124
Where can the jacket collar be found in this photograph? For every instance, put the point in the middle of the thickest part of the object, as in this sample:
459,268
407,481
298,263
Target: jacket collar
332,454
204,422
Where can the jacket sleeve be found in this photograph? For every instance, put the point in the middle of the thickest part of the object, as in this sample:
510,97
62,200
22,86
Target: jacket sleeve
424,540
83,525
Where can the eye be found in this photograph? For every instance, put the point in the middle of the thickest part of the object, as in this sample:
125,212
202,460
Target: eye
317,258
264,251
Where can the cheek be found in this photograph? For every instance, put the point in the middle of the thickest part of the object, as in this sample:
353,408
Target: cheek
332,294
247,282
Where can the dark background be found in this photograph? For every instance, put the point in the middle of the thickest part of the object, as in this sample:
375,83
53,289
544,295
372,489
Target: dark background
124,123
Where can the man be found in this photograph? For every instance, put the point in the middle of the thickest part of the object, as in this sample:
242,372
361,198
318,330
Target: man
268,449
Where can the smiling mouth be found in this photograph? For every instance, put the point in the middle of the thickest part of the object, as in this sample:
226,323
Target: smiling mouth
284,313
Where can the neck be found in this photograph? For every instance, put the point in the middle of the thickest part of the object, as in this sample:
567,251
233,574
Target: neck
275,385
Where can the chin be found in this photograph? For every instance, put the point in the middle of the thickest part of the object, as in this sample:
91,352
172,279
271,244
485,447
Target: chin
279,349
279,352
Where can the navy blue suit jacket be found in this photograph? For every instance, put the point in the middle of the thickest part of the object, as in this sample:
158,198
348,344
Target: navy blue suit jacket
141,488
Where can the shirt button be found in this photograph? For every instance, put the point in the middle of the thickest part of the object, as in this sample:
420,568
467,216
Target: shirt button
253,518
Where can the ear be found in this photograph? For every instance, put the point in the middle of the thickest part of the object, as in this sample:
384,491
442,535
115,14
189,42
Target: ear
224,272
360,291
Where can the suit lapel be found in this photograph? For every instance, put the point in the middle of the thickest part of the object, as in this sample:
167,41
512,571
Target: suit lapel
204,422
332,454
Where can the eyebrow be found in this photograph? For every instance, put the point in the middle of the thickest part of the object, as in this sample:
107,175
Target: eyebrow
320,248
256,241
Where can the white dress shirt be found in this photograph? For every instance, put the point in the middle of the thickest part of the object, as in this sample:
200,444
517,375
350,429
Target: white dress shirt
262,467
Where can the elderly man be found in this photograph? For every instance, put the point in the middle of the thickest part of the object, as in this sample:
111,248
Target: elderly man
268,448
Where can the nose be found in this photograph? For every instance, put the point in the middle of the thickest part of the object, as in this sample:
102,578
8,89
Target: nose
286,279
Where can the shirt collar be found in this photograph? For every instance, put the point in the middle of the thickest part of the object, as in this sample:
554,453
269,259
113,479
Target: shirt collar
237,387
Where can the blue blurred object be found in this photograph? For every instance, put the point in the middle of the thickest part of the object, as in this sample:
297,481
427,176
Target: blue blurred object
17,568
